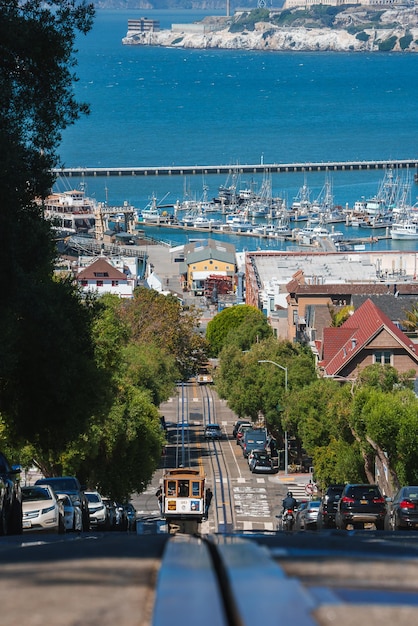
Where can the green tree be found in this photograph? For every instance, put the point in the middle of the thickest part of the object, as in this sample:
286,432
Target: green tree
339,317
241,325
163,321
252,388
121,445
411,320
48,377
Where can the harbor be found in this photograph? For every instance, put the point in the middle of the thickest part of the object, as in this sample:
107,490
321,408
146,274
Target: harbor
249,215
323,243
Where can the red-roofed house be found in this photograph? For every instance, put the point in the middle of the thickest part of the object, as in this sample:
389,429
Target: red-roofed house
101,277
367,337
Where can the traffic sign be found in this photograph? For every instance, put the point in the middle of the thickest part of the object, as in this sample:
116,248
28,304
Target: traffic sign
309,488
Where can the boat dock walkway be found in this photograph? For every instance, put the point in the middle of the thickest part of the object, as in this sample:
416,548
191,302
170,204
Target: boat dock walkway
208,231
260,168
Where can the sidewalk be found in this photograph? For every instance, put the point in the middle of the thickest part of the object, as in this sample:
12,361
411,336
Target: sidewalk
301,479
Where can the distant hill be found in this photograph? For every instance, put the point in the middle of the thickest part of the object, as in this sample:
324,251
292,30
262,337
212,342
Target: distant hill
177,4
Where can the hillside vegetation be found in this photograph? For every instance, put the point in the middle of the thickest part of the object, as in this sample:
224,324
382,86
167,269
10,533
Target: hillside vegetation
351,18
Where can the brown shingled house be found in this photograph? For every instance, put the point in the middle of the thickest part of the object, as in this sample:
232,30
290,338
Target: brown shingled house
309,304
368,336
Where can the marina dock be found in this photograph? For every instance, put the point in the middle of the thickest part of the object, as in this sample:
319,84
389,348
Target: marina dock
352,241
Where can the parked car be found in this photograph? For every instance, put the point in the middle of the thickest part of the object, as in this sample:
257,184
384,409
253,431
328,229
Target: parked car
260,462
10,498
98,512
111,513
359,505
328,506
307,515
253,439
242,429
41,509
73,517
403,509
71,486
237,424
213,431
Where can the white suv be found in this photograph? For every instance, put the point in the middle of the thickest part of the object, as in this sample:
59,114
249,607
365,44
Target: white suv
97,509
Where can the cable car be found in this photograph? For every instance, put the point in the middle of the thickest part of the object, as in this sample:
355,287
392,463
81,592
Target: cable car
183,504
204,374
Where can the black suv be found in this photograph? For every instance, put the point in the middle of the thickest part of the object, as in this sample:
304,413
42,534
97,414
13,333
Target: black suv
10,498
359,505
71,486
328,506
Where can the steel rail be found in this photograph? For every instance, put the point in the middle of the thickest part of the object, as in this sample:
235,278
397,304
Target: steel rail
223,493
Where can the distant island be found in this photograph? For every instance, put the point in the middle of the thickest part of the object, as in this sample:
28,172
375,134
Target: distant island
321,28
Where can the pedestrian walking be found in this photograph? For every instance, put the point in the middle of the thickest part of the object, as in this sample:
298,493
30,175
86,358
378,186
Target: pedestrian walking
208,500
159,496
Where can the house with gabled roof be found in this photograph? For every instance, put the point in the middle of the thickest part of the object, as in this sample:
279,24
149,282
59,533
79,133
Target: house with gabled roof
368,336
102,277
204,259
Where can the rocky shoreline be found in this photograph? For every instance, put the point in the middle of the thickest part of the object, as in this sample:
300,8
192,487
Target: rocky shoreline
400,31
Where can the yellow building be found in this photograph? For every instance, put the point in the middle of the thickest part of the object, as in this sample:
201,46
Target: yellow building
204,259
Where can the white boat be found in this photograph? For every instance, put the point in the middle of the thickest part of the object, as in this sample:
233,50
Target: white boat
152,214
238,223
404,229
267,230
378,221
202,221
380,205
70,212
302,204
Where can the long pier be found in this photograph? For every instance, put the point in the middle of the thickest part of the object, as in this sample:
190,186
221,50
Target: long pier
260,168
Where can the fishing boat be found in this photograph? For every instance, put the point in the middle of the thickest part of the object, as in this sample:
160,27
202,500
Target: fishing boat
201,221
380,220
152,214
301,205
238,223
405,229
377,210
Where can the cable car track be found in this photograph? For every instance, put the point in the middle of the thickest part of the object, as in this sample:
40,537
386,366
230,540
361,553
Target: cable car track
223,502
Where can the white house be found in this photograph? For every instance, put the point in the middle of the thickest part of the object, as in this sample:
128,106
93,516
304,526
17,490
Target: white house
101,277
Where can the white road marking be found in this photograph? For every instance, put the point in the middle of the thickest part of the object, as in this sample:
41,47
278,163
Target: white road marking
251,502
235,458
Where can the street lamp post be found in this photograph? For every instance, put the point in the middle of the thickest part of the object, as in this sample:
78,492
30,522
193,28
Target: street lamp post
285,433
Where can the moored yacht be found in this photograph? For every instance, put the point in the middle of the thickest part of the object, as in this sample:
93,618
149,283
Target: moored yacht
70,212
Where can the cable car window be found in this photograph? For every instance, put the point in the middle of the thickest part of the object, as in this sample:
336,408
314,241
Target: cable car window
195,489
183,488
171,488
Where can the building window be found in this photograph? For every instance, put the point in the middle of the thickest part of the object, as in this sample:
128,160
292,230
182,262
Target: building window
295,317
383,357
115,283
99,283
84,283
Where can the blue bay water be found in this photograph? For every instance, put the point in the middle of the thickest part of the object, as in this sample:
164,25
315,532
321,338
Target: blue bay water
153,106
